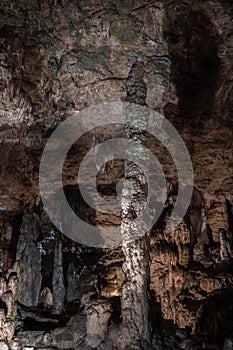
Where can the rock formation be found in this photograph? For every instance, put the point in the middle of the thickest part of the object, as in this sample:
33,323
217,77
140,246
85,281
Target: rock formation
97,314
158,291
73,293
59,290
28,255
134,301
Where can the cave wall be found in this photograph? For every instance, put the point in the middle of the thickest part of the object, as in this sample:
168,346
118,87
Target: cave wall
61,56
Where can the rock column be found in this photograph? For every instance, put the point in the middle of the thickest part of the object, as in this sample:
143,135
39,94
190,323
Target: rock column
135,309
59,290
29,259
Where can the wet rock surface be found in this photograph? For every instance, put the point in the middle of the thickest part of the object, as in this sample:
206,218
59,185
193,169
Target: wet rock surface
61,56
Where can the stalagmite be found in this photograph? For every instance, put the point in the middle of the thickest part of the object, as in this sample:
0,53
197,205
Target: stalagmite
12,285
15,344
28,255
134,301
224,245
86,285
2,285
8,299
73,293
59,290
14,270
7,328
47,298
3,346
98,314
2,323
67,60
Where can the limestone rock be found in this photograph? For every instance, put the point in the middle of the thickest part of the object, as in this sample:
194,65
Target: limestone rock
3,346
201,254
7,327
210,284
86,284
15,344
12,285
73,289
8,299
77,326
61,56
62,338
47,298
31,338
188,344
217,216
28,255
228,344
114,278
59,290
2,286
97,314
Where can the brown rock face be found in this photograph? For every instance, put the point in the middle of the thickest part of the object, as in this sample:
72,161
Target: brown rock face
59,57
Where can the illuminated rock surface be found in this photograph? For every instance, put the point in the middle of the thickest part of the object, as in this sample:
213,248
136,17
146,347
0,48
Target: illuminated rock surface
61,56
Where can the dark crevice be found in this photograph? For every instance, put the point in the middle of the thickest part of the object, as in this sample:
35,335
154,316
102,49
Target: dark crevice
193,45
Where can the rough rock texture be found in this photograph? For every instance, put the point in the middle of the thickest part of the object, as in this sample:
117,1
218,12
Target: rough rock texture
29,259
134,301
73,284
59,290
97,314
60,56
